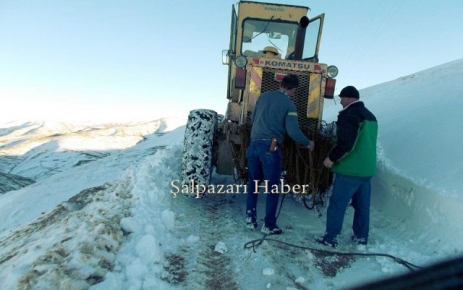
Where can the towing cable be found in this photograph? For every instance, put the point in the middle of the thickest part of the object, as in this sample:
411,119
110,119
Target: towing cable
257,242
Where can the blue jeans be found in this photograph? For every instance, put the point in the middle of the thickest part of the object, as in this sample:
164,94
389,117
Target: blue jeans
263,165
346,188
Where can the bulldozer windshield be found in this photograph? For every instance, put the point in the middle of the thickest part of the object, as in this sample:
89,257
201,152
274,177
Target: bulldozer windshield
258,34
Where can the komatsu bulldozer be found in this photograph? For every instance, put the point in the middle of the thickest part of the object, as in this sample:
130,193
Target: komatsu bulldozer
267,42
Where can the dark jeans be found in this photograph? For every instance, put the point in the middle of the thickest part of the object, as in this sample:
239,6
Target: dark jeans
264,166
346,188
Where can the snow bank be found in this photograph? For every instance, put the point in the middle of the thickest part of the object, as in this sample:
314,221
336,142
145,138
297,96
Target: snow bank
418,182
139,263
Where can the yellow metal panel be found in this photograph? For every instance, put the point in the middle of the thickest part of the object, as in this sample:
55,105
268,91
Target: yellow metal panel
255,85
269,10
313,105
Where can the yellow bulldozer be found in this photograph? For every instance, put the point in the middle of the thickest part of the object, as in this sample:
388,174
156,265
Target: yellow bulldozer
267,42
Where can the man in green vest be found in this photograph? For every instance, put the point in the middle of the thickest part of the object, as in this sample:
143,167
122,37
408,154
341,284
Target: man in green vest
353,160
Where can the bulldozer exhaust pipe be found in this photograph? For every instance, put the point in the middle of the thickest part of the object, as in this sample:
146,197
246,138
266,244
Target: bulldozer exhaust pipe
300,37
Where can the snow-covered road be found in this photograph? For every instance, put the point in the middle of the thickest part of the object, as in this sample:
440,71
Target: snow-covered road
97,209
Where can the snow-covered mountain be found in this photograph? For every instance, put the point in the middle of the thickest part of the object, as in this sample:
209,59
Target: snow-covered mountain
9,182
91,205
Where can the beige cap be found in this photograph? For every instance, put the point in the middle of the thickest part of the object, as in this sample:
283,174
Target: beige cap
270,49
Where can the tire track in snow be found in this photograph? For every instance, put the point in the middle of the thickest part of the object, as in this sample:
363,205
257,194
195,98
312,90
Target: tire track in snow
210,269
221,272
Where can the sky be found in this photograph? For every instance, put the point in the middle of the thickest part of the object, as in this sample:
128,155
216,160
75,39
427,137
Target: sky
102,213
107,60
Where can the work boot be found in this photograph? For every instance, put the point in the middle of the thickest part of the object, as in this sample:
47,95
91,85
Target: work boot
251,220
271,231
251,223
359,241
325,242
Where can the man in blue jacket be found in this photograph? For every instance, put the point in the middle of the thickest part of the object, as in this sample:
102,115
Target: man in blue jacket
273,116
353,160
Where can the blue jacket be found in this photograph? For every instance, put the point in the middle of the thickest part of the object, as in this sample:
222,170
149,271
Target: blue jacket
273,116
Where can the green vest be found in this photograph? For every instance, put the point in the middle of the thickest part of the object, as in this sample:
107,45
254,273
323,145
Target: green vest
361,160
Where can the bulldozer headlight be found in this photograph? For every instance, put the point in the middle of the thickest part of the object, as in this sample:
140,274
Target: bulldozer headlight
332,71
241,61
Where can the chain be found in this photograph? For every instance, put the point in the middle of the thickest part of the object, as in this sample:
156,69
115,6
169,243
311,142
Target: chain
298,170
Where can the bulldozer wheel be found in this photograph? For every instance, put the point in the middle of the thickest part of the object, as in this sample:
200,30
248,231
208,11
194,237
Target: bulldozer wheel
197,149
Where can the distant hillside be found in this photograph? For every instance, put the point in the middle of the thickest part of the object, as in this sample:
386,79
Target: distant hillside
9,182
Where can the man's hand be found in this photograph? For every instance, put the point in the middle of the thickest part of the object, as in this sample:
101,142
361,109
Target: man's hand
311,146
328,163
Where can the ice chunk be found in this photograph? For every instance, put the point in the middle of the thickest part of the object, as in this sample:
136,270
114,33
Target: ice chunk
220,247
168,217
268,271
